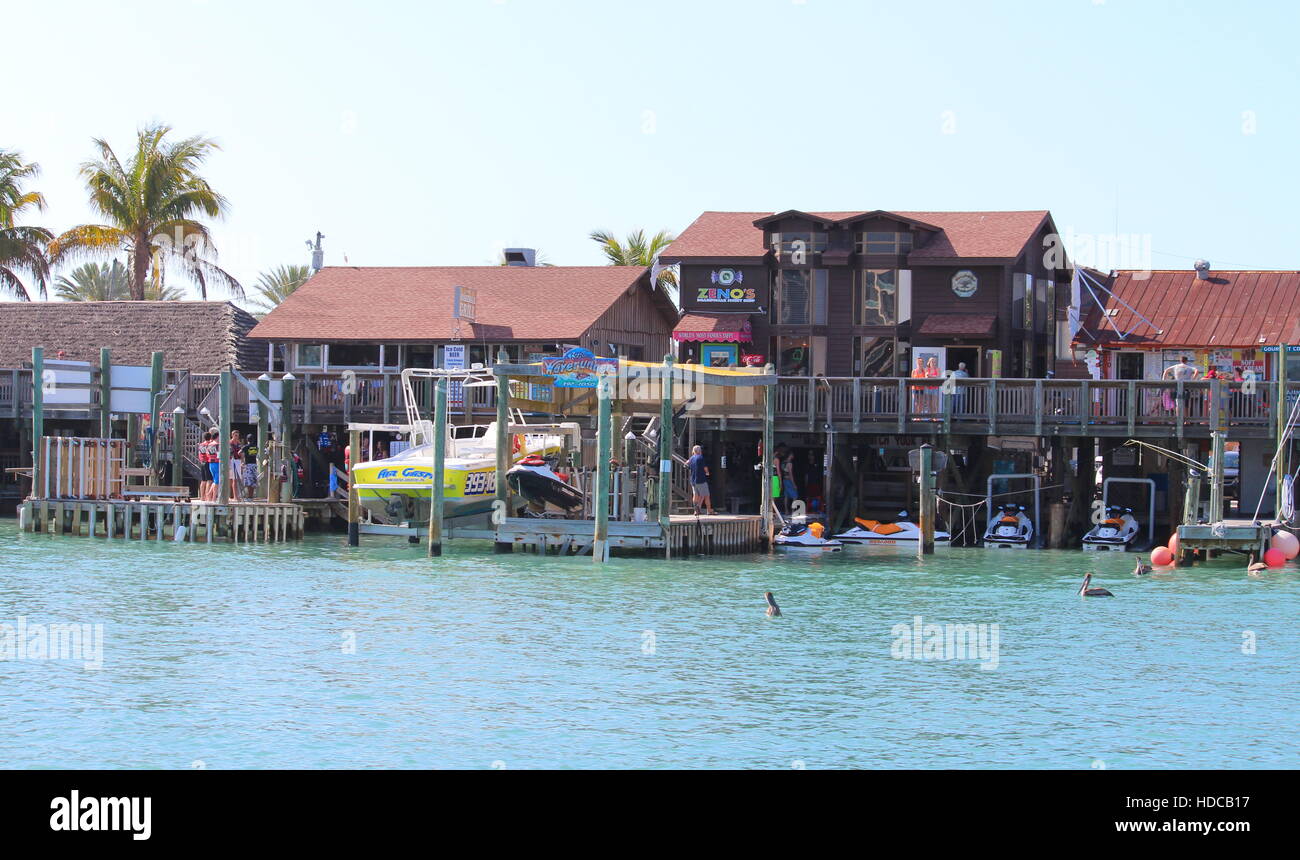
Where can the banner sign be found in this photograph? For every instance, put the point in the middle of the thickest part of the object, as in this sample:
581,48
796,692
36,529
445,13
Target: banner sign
453,358
578,368
129,389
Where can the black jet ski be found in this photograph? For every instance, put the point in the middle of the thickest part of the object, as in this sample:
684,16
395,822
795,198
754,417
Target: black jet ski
533,479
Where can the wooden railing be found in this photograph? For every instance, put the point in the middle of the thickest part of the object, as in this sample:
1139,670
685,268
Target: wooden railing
875,405
1036,406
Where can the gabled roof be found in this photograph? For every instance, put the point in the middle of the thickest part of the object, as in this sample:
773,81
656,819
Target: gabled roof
962,235
203,337
1234,309
414,304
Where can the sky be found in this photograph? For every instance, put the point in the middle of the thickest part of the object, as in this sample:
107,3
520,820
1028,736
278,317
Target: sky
437,133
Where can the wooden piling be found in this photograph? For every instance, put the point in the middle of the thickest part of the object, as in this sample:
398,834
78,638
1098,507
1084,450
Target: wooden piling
666,451
765,500
155,388
38,414
604,447
354,496
286,437
105,393
223,447
436,504
264,439
927,500
504,452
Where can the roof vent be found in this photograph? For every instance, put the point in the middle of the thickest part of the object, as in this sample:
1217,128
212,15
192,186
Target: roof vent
1202,268
521,256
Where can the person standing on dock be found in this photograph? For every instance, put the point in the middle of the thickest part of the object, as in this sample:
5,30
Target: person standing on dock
1181,372
788,489
699,470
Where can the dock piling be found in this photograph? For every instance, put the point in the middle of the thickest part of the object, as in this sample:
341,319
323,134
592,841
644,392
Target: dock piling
927,504
439,466
604,446
354,498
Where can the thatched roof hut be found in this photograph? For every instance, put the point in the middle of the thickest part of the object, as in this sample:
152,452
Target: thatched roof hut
202,337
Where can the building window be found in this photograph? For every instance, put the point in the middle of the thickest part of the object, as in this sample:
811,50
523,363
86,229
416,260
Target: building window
354,355
874,356
871,242
789,243
793,356
799,297
877,302
310,355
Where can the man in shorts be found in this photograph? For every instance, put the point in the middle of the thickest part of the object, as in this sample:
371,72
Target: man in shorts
699,470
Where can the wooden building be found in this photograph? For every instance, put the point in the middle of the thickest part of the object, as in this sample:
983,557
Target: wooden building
870,293
372,320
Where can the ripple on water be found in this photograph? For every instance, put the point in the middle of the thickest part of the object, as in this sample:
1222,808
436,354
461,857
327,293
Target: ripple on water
240,657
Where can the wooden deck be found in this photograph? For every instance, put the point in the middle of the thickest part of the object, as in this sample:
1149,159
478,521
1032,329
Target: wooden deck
193,522
720,534
1243,535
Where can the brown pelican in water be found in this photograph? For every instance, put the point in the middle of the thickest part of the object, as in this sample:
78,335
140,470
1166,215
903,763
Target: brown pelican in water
1141,569
773,611
1256,569
1085,591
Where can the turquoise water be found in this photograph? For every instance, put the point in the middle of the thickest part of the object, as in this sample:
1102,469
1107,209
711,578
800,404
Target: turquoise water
238,657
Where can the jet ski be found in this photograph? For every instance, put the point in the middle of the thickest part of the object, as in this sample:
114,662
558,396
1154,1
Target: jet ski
1115,533
900,533
797,536
1009,528
533,479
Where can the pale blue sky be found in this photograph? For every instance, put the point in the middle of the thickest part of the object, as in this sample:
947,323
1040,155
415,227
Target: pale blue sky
436,133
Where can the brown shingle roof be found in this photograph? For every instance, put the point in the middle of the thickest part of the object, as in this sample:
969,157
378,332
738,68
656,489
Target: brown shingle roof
975,235
391,304
1231,309
203,337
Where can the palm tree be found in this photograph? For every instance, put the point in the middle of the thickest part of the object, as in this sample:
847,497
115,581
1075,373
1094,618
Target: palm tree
102,282
274,286
21,248
151,205
636,250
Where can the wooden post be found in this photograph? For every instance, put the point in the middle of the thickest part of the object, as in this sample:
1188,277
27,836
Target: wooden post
38,415
765,501
264,438
666,452
105,393
1216,476
605,450
286,436
439,464
223,447
178,446
155,388
354,495
927,500
504,454
1282,413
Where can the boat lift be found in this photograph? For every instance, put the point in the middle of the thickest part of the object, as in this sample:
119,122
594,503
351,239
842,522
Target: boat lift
1037,491
1151,501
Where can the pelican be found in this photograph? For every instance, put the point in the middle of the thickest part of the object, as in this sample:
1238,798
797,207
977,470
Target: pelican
773,611
1256,569
1141,569
1085,591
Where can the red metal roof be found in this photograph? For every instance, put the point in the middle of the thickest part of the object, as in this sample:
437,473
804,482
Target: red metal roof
959,325
975,235
1230,309
718,328
390,304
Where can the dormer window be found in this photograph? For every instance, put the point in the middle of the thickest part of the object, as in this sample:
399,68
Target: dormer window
792,242
877,242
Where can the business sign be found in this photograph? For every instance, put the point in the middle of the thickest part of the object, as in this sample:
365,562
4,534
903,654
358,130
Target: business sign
453,358
964,284
1273,348
578,368
727,289
66,384
129,389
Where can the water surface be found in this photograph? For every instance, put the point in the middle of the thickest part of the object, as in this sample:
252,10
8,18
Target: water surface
316,655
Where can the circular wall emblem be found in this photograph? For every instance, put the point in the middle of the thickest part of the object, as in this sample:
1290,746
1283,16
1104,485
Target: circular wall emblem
964,283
